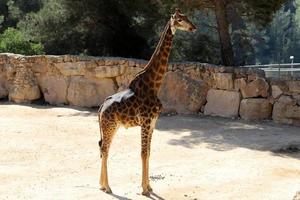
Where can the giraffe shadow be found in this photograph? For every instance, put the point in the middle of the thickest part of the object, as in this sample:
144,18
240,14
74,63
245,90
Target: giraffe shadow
119,197
152,196
155,196
222,134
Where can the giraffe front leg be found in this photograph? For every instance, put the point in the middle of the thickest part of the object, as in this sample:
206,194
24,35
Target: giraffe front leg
145,154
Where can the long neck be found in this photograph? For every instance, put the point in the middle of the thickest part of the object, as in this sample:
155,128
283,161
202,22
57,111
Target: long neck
163,49
150,78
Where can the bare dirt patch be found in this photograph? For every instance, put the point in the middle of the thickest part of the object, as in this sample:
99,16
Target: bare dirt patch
52,153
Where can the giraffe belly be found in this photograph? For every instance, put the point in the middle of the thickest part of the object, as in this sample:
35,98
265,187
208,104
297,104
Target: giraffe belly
130,121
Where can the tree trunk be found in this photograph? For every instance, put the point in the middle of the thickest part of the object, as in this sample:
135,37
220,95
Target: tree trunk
223,29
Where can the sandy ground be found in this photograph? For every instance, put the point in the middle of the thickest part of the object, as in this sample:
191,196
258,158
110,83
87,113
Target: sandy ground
52,153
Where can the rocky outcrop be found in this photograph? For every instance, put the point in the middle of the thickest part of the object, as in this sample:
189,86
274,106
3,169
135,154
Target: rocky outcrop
286,110
222,103
223,81
24,87
89,93
87,81
124,80
276,91
182,94
255,109
294,86
54,89
75,80
255,88
3,86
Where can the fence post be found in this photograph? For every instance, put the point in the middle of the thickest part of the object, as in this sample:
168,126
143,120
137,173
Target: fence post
292,66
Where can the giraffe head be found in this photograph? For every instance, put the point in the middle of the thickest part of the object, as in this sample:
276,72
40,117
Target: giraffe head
181,22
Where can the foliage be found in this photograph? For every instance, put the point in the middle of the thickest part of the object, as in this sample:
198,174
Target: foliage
114,28
201,46
51,27
281,39
261,31
13,41
12,11
239,16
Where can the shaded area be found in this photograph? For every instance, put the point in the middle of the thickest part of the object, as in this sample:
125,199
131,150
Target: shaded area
84,112
222,134
289,149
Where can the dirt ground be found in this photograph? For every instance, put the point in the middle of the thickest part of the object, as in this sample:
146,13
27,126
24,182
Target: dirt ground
52,153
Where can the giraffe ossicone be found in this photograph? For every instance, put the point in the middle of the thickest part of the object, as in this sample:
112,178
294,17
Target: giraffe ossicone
139,105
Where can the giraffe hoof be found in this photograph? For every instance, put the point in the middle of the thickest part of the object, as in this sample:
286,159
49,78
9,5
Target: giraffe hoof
102,188
106,190
146,193
150,188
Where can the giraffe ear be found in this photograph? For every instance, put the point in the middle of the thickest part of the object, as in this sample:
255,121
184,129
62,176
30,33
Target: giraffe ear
177,10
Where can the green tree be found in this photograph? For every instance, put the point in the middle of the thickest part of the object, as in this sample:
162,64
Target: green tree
12,11
13,41
51,26
94,27
257,12
281,37
203,45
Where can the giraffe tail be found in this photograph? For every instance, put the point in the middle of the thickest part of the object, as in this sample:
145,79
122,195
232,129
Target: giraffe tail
101,138
100,145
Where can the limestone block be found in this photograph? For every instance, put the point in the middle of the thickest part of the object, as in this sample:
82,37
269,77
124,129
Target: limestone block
276,91
110,71
89,93
112,61
286,110
222,103
297,98
257,88
24,87
223,81
54,89
124,80
3,88
38,64
294,86
54,59
255,109
239,83
24,94
71,68
179,93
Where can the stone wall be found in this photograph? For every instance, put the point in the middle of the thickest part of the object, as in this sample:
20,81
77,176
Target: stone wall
187,88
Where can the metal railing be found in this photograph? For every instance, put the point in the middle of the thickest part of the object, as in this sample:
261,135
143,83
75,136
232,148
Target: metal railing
286,70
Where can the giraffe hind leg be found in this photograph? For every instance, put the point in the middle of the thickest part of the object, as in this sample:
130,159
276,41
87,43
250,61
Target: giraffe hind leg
108,130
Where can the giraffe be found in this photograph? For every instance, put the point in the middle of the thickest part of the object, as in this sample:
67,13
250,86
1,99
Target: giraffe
139,105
